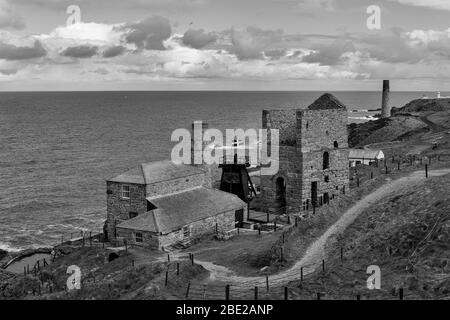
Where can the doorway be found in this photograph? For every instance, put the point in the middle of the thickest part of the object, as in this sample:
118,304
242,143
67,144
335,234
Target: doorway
280,191
314,193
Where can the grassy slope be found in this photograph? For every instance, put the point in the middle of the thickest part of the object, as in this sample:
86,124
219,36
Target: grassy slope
407,236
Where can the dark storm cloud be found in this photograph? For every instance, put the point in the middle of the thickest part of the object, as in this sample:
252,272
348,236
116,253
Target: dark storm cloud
12,52
198,38
149,33
113,51
80,51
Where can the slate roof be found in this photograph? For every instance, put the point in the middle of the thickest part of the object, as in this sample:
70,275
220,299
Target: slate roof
325,102
180,209
148,173
366,154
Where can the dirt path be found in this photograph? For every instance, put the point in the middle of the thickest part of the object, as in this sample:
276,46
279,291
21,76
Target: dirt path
316,251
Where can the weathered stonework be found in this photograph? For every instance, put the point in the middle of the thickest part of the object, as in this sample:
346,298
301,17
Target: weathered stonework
305,138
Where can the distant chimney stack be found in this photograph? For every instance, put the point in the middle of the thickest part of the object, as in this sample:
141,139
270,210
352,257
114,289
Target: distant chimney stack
385,107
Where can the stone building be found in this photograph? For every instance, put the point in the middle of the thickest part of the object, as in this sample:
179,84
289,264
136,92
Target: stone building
160,203
313,164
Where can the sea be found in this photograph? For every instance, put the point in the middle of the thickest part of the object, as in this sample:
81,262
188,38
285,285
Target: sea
58,148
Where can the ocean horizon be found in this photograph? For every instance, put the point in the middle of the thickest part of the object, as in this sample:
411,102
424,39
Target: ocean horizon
58,148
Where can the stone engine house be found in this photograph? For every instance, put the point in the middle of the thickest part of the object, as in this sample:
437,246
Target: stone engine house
313,163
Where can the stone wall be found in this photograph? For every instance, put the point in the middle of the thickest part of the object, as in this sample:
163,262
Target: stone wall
118,209
301,163
225,222
149,239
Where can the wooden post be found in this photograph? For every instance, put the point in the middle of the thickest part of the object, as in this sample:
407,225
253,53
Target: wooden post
259,230
275,225
192,258
28,268
285,293
227,292
296,221
301,274
38,265
400,293
217,228
167,277
371,174
178,269
256,293
267,283
289,219
168,257
238,230
426,171
24,271
187,290
268,217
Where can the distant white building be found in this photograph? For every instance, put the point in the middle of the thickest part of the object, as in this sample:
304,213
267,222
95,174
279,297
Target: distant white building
363,156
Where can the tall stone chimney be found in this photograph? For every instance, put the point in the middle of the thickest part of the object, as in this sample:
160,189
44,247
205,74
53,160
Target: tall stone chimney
197,143
385,107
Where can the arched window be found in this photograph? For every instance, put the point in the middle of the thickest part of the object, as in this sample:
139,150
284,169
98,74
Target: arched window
326,160
335,144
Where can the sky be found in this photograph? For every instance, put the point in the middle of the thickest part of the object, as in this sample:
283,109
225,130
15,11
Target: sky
224,45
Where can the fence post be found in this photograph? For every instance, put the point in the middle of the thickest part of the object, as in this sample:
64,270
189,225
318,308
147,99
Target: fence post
275,225
268,217
24,271
256,293
192,258
296,221
178,269
167,277
267,283
285,293
168,257
289,219
187,290
426,171
371,174
227,292
301,274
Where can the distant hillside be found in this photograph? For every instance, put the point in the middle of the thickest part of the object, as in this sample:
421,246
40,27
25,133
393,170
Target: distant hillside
424,105
382,130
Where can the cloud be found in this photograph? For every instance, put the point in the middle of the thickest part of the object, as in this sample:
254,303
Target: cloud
433,4
13,52
113,51
314,6
9,19
84,51
330,54
198,38
251,42
149,33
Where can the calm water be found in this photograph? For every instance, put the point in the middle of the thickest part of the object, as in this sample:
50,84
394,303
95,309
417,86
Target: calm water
57,149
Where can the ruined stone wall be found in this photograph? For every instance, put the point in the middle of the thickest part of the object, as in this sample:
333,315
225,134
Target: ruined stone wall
177,185
301,163
319,129
118,209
